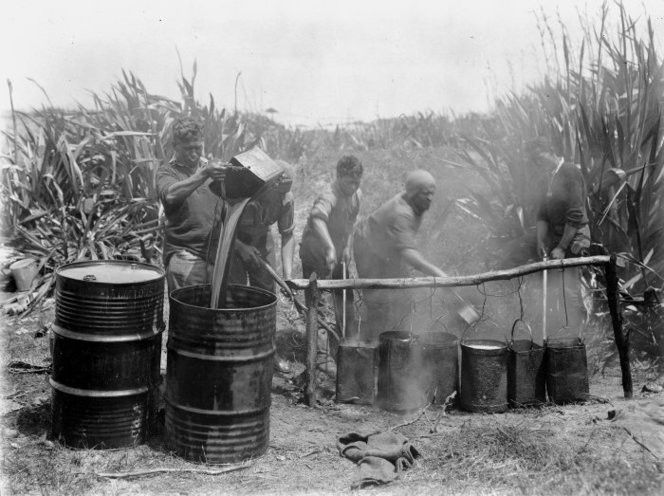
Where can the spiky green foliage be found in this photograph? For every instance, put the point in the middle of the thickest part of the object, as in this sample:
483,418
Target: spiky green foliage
604,111
82,184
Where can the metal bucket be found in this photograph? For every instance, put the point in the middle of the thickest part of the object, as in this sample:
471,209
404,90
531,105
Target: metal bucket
357,372
219,374
106,352
401,386
566,370
483,375
441,365
525,370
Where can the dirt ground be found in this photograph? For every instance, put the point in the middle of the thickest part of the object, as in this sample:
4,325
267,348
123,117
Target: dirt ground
571,449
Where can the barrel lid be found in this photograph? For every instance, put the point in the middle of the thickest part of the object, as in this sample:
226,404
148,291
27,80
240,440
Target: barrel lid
110,272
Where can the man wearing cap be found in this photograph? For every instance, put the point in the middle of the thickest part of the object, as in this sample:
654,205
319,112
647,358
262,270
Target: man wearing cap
384,247
189,205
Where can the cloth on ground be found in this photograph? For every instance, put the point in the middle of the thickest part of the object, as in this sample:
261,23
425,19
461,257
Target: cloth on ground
380,456
644,421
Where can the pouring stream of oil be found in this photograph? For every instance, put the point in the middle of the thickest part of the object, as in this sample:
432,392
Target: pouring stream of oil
232,214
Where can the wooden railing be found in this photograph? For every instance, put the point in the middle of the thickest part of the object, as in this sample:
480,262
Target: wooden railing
314,286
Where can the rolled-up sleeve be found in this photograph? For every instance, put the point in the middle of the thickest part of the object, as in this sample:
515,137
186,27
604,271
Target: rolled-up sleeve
323,207
165,179
286,221
575,215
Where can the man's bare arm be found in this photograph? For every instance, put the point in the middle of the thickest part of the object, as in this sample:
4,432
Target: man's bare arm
415,259
179,191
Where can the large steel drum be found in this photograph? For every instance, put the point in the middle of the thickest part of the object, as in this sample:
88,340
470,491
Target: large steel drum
484,375
219,374
402,384
106,352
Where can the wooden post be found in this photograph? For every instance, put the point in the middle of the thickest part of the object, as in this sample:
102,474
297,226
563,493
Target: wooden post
312,296
622,340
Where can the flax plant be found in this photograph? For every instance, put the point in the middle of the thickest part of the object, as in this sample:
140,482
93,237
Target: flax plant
81,183
601,107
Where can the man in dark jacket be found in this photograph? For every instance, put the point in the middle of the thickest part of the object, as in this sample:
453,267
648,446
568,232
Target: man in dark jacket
563,232
562,222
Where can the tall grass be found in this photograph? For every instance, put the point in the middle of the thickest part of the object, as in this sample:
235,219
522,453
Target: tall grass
601,107
603,110
81,184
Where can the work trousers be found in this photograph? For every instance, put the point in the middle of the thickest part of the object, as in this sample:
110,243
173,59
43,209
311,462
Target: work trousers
386,310
186,269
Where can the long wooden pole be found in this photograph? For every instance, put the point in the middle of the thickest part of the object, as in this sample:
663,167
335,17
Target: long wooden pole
622,340
442,282
313,288
312,296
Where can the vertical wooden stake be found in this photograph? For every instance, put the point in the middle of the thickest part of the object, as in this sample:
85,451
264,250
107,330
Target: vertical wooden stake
622,341
312,296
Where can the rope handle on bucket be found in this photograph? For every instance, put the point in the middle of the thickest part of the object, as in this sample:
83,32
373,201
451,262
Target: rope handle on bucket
528,328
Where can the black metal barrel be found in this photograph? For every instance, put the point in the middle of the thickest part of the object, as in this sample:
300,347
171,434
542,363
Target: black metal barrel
219,374
106,352
402,386
483,375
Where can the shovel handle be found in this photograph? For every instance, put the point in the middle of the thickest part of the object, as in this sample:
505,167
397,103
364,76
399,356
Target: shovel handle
343,302
545,282
301,308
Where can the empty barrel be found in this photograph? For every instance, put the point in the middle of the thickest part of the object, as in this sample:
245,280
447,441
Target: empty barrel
441,365
219,374
106,352
401,385
483,375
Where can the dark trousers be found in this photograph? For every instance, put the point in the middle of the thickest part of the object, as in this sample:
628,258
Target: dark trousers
386,310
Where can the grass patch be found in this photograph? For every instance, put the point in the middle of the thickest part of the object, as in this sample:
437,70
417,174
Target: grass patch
515,458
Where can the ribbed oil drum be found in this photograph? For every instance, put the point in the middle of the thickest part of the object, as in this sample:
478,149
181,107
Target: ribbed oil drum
401,383
219,374
106,352
483,375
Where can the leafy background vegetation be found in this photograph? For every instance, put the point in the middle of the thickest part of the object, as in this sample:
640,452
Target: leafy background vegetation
80,183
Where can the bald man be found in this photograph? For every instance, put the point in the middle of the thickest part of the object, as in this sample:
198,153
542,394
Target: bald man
384,247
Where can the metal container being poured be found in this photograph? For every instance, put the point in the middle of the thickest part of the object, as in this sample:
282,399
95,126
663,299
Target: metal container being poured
247,174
